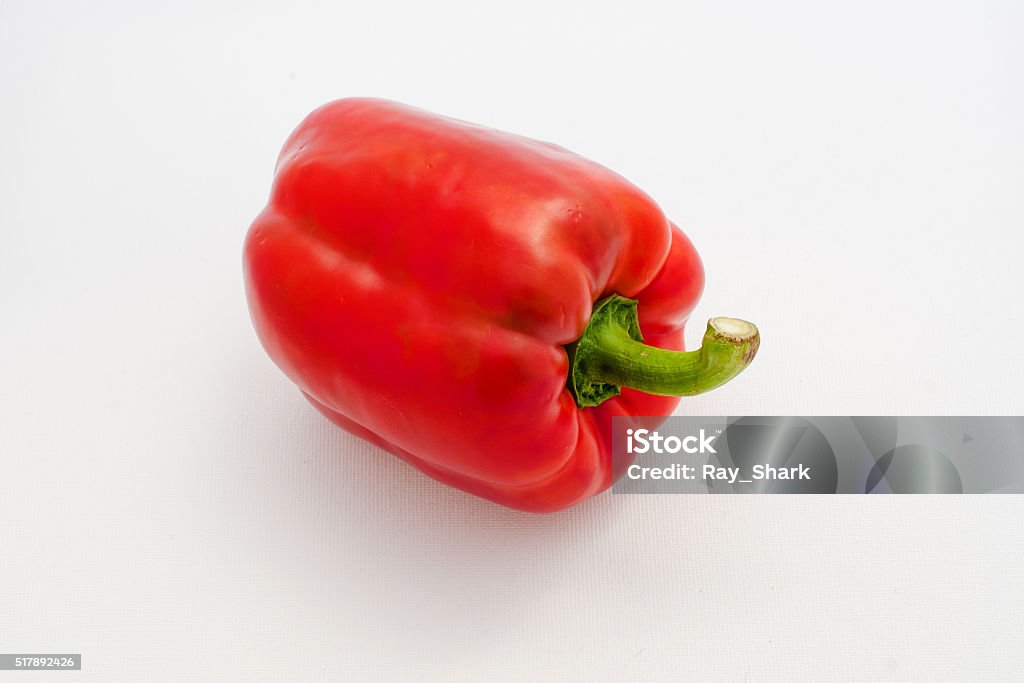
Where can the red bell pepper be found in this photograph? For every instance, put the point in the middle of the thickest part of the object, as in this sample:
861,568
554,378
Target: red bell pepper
472,300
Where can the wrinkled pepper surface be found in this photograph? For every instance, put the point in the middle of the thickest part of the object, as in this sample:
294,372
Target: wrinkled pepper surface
472,301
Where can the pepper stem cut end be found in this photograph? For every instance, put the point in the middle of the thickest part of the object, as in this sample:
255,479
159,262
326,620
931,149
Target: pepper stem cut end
611,355
734,328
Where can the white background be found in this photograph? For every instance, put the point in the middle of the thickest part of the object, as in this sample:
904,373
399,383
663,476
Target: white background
172,509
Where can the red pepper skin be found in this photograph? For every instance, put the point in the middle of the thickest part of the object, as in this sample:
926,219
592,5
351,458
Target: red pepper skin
418,278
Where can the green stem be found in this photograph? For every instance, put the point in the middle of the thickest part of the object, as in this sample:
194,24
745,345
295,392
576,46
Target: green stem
611,355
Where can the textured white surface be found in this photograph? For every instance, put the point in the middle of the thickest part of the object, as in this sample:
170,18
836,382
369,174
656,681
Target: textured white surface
172,509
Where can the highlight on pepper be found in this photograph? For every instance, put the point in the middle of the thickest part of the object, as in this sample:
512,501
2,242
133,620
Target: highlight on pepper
477,303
